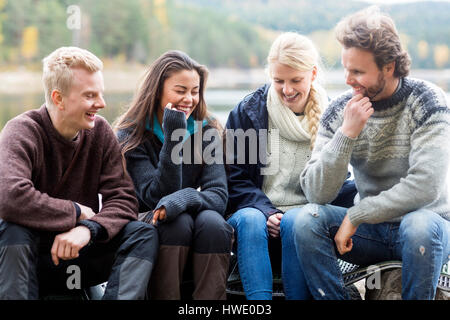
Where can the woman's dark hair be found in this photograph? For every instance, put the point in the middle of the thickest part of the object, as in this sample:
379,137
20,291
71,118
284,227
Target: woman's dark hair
147,99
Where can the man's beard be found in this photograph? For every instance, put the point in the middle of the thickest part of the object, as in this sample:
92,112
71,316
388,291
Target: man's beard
375,90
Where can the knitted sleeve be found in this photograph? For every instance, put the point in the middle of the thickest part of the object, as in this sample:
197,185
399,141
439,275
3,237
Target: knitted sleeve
119,204
425,181
326,171
157,175
20,201
213,192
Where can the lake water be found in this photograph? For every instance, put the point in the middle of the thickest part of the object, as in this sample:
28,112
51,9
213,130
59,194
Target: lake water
220,103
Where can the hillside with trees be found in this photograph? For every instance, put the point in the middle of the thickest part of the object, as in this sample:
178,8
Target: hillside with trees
218,33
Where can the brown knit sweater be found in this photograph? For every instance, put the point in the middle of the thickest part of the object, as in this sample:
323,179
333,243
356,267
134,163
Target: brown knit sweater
41,174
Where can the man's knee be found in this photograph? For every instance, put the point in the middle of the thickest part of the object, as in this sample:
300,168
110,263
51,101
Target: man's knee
18,262
14,234
18,245
419,226
140,230
420,231
142,238
288,219
307,217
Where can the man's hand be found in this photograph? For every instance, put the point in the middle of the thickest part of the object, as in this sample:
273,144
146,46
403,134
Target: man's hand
67,245
356,113
343,238
273,224
86,212
159,214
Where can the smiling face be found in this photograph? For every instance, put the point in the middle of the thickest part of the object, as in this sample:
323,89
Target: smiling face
364,76
292,85
181,89
77,109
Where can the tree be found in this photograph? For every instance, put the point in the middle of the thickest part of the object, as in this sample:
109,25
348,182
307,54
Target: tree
30,42
2,5
441,55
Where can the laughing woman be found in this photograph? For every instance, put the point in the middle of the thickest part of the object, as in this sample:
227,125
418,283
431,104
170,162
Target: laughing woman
165,135
263,199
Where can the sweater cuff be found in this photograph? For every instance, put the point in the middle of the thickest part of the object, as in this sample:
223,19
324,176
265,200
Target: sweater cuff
356,216
77,209
341,144
97,231
183,200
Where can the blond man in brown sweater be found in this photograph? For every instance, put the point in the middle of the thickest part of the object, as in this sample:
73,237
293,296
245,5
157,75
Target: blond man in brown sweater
65,198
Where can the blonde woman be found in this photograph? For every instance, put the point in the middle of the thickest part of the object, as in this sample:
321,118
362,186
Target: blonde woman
264,199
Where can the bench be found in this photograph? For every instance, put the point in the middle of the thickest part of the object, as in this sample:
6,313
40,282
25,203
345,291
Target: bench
351,273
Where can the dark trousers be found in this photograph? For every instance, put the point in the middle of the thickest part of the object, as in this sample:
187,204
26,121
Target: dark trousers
204,242
27,271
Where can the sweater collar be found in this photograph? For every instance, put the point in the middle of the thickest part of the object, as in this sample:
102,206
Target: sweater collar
399,95
47,121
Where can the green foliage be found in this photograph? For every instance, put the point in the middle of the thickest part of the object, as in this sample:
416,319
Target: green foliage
421,21
217,33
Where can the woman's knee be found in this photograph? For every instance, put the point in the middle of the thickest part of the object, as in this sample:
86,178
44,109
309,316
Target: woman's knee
249,220
177,232
212,234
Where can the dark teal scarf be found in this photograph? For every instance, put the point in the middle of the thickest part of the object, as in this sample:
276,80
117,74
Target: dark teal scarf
191,128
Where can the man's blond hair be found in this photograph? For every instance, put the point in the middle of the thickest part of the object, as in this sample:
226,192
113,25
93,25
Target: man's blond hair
57,69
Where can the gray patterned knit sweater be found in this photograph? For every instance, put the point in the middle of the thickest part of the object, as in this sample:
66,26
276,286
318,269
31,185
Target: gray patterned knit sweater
400,160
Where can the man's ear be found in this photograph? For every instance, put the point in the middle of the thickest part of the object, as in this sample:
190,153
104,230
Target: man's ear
57,99
389,68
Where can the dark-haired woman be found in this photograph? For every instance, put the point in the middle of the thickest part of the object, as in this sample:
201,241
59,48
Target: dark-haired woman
173,153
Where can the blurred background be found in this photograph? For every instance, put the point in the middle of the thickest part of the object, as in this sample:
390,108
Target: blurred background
230,37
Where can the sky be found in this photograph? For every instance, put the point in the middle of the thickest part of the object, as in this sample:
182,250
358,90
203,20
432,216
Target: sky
400,1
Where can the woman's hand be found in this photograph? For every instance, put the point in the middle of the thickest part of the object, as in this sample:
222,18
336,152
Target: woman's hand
159,214
273,224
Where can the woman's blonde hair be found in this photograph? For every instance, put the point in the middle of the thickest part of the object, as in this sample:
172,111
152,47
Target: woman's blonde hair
57,69
299,52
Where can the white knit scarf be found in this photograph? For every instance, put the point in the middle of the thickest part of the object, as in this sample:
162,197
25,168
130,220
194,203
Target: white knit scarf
292,127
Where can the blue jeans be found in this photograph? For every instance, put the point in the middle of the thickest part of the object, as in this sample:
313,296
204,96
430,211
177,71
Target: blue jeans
254,263
421,241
